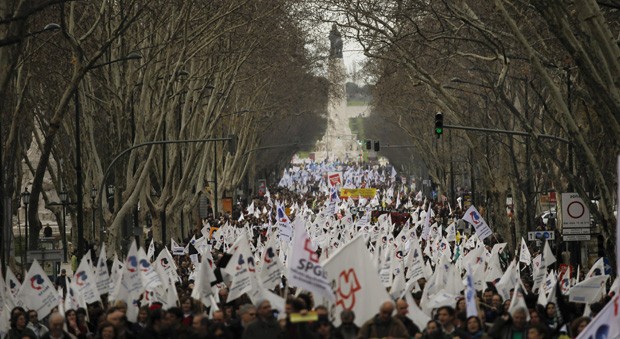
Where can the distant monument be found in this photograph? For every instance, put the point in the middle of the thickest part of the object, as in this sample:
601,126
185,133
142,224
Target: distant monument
335,40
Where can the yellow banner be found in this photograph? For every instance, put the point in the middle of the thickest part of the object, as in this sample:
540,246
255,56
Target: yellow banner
354,193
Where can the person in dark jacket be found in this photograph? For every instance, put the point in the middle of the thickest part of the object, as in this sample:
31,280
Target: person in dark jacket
347,327
247,314
55,324
154,325
18,328
402,308
265,325
508,327
383,324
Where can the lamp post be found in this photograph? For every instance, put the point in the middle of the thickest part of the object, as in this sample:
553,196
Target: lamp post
110,196
5,201
64,200
93,196
159,142
78,157
26,201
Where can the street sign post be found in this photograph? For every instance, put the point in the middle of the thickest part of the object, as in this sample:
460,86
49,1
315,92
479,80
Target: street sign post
575,218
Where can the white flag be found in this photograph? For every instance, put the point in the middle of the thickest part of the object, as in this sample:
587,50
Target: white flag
509,280
164,264
149,276
131,275
589,290
115,275
415,261
271,267
240,267
72,299
286,231
518,302
427,219
38,292
419,318
597,269
398,287
470,295
202,290
355,281
473,217
151,251
548,257
176,248
101,271
12,284
451,232
525,256
304,269
606,324
86,282
2,294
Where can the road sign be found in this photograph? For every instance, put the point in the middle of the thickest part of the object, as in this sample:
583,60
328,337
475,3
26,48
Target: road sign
45,255
575,213
541,235
576,237
576,231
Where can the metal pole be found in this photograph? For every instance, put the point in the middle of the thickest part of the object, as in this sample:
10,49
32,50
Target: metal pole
78,173
162,214
215,212
27,239
64,231
472,177
93,228
452,192
501,131
19,227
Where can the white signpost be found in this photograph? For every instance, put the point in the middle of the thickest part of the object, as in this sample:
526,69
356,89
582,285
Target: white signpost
575,218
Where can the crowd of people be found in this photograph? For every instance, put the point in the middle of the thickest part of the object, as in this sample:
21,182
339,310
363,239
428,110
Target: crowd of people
301,316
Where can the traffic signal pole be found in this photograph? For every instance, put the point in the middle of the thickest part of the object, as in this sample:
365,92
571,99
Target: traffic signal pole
501,131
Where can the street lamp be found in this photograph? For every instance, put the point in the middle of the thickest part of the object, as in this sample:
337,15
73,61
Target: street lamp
64,200
78,156
93,196
11,40
26,200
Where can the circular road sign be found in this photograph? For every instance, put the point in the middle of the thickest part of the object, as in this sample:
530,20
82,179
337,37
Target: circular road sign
575,209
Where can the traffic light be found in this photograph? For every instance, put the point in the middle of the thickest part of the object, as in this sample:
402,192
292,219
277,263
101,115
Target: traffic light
439,124
368,145
232,144
377,146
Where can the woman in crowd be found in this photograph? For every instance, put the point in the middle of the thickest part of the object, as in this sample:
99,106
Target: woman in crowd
107,331
187,306
18,327
474,329
578,325
432,331
537,332
74,327
550,317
